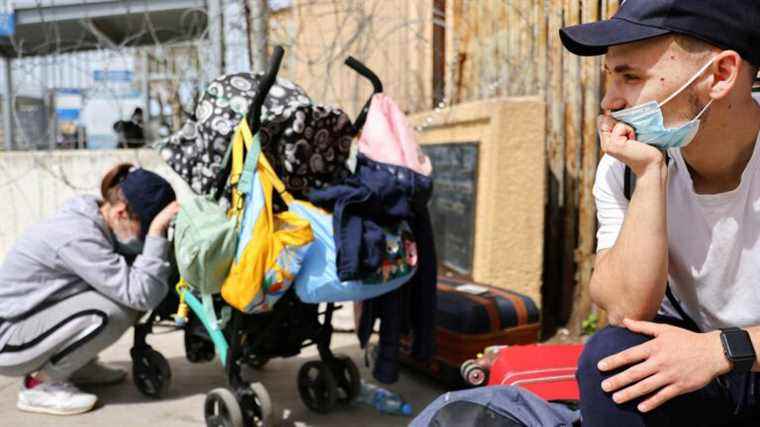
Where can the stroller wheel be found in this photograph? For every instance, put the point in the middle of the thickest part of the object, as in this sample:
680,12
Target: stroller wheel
348,379
151,372
317,386
256,405
222,409
198,349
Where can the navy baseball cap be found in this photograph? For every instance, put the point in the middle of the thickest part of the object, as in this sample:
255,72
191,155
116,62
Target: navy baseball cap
147,194
727,24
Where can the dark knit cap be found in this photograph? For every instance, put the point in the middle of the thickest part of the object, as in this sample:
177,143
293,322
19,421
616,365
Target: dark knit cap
147,194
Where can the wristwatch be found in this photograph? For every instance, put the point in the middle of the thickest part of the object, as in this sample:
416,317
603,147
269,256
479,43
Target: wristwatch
737,346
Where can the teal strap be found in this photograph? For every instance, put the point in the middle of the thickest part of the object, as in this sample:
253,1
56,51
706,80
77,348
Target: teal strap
224,176
211,325
208,308
249,167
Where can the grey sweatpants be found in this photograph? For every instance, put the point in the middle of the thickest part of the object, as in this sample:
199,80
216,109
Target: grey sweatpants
65,336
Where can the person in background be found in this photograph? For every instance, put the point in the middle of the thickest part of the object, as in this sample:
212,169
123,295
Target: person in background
131,133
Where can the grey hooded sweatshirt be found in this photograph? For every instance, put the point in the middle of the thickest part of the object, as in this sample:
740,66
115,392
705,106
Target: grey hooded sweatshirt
72,252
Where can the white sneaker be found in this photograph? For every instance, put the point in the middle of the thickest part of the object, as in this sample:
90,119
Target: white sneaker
55,398
96,373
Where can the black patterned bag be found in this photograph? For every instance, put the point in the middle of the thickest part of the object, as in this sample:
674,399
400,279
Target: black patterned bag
196,151
308,148
306,144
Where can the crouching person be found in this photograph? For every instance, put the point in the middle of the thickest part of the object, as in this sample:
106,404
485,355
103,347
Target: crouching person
73,284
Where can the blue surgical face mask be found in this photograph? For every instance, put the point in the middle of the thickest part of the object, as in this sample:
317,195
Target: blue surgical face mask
648,122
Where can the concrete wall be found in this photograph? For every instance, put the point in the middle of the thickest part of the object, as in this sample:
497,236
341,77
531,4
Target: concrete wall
34,184
509,219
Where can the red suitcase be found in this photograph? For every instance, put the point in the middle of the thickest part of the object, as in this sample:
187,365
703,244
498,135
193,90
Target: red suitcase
546,370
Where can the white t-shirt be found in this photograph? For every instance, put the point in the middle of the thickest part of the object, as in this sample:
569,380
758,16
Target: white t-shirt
713,241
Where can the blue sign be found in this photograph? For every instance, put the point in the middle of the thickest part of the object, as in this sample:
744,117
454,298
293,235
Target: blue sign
7,22
68,104
68,114
112,75
68,91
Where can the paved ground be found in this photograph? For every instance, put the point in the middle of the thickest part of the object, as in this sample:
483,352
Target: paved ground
122,405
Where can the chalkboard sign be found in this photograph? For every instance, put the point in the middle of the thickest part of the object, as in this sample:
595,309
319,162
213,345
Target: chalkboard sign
452,208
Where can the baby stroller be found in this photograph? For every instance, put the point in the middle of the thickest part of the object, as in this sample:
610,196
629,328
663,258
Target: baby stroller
252,339
248,340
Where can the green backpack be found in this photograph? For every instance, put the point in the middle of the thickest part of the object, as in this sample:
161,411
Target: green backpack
205,240
206,234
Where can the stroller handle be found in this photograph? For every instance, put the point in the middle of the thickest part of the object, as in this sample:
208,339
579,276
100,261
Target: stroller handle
377,85
254,111
253,116
362,69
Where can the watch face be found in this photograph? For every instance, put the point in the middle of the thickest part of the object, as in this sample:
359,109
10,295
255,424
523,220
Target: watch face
739,345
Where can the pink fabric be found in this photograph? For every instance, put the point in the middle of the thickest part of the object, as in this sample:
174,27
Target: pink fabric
388,138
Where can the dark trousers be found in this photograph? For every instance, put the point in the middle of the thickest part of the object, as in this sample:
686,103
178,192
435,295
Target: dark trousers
730,400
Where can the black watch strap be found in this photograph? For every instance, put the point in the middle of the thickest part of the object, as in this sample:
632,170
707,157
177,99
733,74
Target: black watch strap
737,346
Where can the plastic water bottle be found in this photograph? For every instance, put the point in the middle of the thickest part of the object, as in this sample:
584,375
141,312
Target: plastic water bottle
385,401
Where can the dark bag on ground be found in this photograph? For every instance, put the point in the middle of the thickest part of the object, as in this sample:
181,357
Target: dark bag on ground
470,317
495,406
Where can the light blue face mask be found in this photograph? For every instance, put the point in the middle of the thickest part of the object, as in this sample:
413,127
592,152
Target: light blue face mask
648,122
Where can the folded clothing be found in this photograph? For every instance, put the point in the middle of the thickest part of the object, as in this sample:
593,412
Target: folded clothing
371,210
